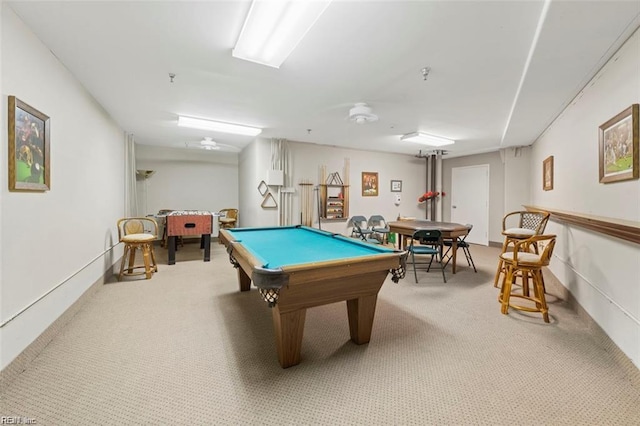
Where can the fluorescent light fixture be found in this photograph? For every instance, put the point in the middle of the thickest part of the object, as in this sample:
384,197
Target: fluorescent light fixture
274,28
426,139
217,126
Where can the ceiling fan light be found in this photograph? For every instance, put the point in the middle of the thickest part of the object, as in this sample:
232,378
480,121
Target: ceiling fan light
218,126
361,113
427,139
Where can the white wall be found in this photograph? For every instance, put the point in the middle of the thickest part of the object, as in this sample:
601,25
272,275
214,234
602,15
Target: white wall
56,237
307,159
186,180
603,273
517,184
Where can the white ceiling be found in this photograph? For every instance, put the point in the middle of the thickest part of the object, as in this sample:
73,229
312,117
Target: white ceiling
500,70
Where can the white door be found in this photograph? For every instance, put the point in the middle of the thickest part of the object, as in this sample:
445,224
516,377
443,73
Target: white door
470,200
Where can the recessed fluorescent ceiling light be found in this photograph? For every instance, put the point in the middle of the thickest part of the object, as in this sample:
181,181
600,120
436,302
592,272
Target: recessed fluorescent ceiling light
217,126
274,28
426,139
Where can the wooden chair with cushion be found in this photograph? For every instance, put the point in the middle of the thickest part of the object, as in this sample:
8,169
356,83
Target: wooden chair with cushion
138,233
430,243
525,264
228,218
527,224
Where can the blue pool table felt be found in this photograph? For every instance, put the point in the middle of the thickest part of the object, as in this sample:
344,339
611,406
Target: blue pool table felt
286,246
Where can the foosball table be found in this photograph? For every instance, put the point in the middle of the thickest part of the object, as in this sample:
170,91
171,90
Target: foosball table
181,223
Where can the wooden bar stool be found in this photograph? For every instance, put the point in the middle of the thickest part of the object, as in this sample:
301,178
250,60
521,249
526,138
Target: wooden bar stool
137,233
521,262
529,225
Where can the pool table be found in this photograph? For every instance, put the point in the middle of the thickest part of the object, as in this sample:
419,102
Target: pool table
297,267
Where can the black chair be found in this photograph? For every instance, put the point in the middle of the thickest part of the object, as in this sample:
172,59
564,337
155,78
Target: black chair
464,246
430,244
378,225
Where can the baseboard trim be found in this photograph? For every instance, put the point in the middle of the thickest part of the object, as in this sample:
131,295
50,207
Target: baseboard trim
31,352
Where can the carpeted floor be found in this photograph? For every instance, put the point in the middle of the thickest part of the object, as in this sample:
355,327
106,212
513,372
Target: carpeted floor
186,347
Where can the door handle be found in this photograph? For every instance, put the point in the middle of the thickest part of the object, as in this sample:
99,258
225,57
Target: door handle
453,207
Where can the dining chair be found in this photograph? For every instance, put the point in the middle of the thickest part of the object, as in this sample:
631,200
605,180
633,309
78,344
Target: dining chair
461,243
427,242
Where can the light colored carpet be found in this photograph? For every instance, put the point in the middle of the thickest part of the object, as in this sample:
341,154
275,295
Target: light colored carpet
186,347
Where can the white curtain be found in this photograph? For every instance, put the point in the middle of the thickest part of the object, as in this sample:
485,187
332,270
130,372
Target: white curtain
130,193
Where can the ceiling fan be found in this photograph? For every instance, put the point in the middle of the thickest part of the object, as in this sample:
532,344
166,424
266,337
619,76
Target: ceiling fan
362,113
207,143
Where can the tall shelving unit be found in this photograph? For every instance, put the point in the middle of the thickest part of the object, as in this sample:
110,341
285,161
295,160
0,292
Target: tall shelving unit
334,200
334,194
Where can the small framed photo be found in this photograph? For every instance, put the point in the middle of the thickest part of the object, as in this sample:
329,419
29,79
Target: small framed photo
369,184
28,148
618,146
547,174
396,186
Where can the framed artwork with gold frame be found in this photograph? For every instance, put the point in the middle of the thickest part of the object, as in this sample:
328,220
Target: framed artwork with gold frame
618,147
29,154
369,184
547,173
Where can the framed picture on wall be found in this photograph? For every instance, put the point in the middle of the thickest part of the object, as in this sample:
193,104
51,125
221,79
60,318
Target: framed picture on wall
547,173
618,147
369,184
396,186
28,148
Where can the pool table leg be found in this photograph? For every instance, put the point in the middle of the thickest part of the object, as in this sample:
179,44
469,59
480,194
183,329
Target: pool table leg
361,312
244,280
289,327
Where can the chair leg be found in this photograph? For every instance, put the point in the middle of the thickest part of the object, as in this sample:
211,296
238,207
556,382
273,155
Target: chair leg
154,264
132,258
469,258
501,268
505,291
124,261
430,261
146,255
544,309
442,268
525,282
413,260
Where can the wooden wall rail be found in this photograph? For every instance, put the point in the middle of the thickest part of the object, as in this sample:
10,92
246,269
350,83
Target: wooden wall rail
625,229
